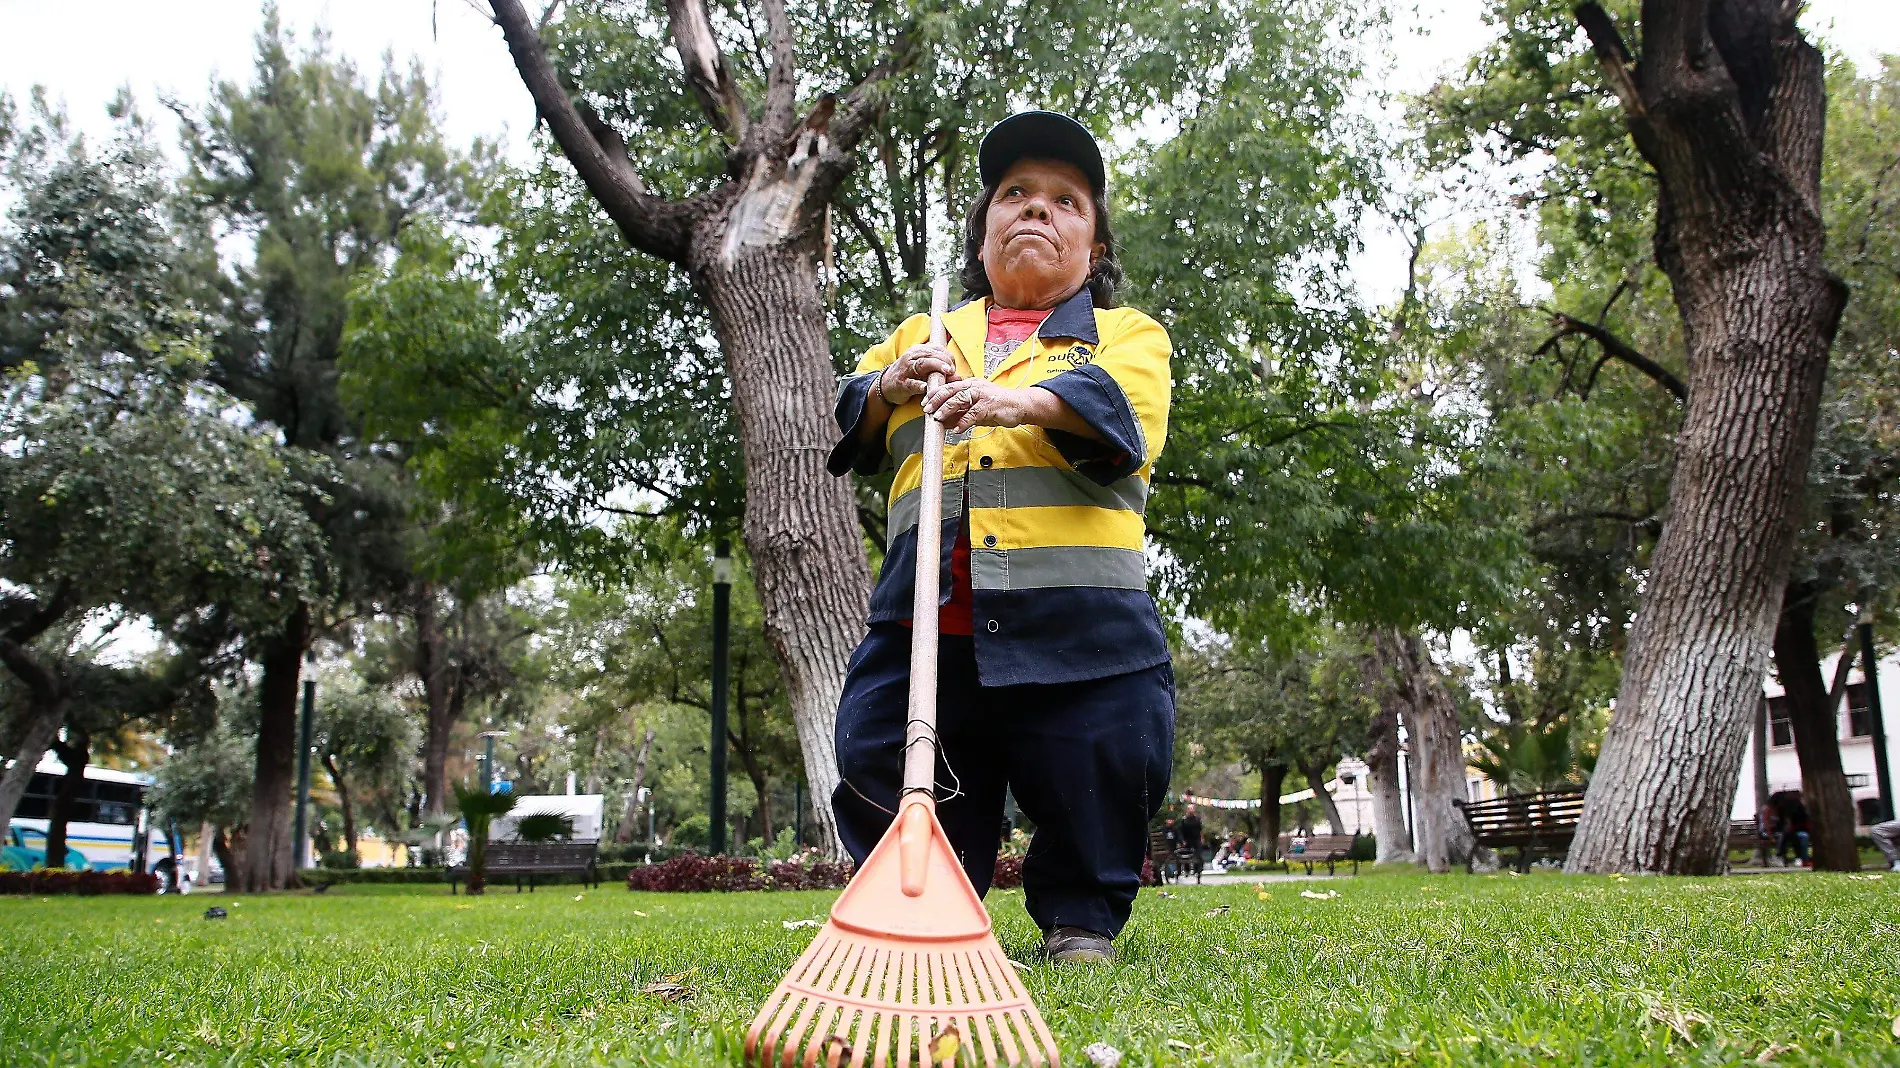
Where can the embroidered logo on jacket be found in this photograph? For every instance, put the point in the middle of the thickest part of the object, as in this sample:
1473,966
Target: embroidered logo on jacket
1074,357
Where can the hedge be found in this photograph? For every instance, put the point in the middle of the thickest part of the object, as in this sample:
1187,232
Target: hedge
609,873
42,881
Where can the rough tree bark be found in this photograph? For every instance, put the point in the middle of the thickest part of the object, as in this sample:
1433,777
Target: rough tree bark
752,245
1727,105
74,751
628,825
1272,781
1382,782
267,862
1817,735
1438,775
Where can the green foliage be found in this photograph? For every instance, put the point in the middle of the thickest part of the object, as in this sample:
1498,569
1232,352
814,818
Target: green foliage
1526,758
209,781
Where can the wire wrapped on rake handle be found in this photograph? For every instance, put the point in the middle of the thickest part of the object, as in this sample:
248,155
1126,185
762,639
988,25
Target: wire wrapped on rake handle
920,732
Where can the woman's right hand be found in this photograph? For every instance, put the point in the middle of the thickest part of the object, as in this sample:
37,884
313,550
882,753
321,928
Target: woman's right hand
910,375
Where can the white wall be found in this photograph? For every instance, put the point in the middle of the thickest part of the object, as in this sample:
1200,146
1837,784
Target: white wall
1857,754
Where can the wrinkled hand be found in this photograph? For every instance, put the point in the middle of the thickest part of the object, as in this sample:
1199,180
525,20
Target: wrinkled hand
973,402
910,375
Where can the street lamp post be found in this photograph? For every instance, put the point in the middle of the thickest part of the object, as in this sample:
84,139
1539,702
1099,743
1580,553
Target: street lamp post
299,834
1870,672
488,759
722,609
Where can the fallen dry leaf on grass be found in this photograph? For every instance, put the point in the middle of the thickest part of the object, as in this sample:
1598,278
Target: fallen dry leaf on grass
668,991
1178,1044
835,1049
943,1048
1896,1027
1681,1022
1775,1049
1219,910
1103,1055
1315,896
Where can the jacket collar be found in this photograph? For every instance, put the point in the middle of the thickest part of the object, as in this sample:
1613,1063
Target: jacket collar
968,325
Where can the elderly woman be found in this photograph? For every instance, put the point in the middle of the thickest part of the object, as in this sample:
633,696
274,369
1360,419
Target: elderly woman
1054,677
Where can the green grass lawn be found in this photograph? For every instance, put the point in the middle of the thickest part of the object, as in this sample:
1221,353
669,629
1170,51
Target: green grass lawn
1398,969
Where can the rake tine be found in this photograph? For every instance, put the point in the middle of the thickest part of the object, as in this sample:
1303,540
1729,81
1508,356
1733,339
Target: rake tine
815,955
788,1049
830,1008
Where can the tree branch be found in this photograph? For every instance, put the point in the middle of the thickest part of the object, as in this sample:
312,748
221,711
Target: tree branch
1614,55
652,225
1613,348
781,87
707,73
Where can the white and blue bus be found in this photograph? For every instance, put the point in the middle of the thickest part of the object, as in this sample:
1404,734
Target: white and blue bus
108,821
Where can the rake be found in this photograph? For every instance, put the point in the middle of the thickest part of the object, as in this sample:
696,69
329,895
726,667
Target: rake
906,970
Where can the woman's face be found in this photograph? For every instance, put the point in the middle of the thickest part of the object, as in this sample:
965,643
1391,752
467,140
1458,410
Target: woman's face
1039,235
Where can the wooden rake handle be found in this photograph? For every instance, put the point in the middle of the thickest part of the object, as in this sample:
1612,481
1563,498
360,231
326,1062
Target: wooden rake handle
919,798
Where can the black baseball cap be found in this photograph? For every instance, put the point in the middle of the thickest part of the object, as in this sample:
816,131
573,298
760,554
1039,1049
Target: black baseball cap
1040,135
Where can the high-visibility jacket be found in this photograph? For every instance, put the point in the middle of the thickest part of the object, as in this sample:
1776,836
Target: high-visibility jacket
1057,571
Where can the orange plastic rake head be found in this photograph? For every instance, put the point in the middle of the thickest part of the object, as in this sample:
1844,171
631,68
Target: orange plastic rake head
906,970
896,979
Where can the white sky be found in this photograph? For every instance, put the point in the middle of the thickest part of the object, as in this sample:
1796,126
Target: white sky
83,51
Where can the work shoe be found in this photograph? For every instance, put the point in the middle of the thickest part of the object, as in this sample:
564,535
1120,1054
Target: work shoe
1072,945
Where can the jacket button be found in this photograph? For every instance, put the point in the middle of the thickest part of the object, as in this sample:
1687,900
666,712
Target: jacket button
986,461
989,540
991,626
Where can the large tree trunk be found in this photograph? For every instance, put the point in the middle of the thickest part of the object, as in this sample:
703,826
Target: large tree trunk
268,862
1817,738
1382,782
1444,838
343,802
226,849
1316,779
75,752
751,245
1272,781
1727,104
801,526
629,825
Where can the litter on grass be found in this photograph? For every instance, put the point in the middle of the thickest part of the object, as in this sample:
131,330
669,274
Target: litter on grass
1219,910
793,925
1319,896
1103,1055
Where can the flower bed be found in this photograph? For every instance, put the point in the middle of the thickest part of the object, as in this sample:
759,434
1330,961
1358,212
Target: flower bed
78,882
692,873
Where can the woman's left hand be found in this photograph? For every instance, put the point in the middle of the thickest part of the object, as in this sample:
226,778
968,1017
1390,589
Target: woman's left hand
973,402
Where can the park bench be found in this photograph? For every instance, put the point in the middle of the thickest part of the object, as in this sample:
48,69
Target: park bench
1161,855
1528,822
1327,849
525,860
1746,835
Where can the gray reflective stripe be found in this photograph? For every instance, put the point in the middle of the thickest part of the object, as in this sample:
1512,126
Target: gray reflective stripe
907,439
1052,487
1058,565
902,515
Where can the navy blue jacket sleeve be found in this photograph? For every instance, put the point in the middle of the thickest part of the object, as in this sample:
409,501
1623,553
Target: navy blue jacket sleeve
854,393
1099,400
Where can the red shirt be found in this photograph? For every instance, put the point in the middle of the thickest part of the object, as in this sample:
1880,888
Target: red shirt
1008,327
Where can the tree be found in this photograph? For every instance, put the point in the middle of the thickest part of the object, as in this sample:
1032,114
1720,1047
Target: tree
207,781
1727,104
1436,732
322,168
366,739
479,809
125,489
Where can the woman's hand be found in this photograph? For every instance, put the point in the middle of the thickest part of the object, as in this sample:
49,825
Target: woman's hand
910,375
973,402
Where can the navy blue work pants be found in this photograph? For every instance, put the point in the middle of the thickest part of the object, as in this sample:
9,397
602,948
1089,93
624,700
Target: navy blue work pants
1087,761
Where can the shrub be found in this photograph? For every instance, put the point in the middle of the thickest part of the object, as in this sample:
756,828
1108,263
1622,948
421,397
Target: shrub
638,852
342,861
42,881
1009,871
692,873
1364,847
544,826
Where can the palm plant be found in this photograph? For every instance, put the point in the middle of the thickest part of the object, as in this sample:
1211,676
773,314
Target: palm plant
1525,758
544,826
479,809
